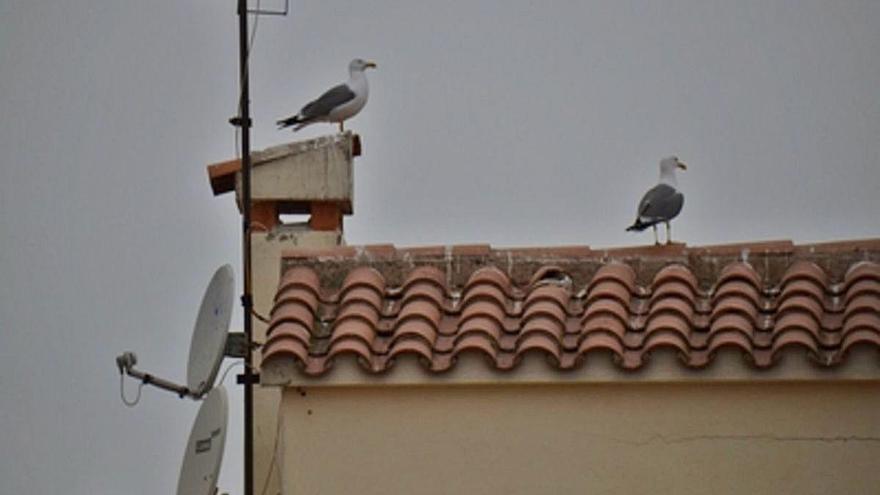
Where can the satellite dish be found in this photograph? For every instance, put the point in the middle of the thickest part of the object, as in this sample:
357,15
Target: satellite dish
207,347
204,449
208,343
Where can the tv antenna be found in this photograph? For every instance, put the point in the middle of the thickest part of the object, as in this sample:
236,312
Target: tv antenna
209,344
243,121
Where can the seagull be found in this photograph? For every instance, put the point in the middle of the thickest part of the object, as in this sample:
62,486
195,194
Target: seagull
662,202
338,103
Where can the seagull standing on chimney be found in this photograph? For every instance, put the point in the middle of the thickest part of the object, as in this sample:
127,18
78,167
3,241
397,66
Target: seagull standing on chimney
337,104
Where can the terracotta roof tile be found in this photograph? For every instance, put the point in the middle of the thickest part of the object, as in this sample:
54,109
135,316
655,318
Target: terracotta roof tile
565,313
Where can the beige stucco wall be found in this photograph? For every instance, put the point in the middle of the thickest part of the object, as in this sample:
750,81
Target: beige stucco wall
266,262
657,438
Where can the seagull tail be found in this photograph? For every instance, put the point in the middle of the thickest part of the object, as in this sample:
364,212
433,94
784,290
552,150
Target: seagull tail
289,122
638,226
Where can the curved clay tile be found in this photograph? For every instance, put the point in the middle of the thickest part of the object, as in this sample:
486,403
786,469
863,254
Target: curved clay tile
289,329
601,341
421,308
672,340
674,288
609,289
298,293
411,346
294,311
550,309
738,271
485,292
732,323
362,294
605,324
726,338
350,328
606,307
737,288
803,287
285,348
864,337
354,347
542,324
559,295
540,342
423,274
861,287
735,304
484,309
869,321
805,270
415,326
666,323
489,326
674,306
358,309
363,276
863,270
794,338
423,290
476,343
614,272
675,272
300,275
489,275
800,321
801,303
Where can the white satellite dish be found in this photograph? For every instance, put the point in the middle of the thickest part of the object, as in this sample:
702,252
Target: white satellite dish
208,343
207,347
204,449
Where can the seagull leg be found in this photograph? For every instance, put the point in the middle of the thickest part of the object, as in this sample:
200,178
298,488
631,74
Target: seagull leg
668,234
341,127
656,239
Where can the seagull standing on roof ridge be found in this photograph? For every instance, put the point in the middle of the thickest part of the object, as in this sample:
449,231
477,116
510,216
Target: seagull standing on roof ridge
662,202
338,103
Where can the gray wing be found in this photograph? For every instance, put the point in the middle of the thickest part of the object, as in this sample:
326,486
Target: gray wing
660,204
321,107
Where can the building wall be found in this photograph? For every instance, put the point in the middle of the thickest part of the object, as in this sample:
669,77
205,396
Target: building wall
658,438
266,265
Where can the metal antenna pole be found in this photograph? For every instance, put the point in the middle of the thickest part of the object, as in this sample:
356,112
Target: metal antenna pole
243,121
247,298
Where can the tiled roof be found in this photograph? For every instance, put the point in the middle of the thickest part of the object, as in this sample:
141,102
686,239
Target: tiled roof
379,303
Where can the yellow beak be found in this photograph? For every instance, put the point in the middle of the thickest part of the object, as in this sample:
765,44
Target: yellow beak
682,166
371,64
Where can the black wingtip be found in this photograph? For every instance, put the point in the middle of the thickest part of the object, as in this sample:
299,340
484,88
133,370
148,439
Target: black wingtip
287,122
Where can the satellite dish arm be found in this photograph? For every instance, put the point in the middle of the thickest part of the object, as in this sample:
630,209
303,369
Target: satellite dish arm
126,362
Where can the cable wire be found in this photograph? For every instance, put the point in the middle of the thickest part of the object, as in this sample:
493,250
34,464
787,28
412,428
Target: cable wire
122,392
273,463
226,371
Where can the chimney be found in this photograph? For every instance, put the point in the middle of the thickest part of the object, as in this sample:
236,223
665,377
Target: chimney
311,177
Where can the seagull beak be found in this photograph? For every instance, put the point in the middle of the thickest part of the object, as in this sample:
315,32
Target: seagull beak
370,64
682,166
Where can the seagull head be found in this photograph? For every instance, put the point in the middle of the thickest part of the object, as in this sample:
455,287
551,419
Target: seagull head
669,164
359,65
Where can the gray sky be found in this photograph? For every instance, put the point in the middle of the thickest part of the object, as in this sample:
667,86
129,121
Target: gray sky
510,123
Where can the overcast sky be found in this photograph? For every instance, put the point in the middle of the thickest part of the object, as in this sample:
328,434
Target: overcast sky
510,123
